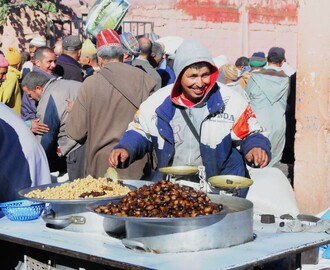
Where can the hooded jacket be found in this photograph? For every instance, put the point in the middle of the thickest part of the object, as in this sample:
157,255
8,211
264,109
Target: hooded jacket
228,129
10,91
268,93
101,114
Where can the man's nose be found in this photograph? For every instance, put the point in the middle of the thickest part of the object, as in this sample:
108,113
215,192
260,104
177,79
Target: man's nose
199,82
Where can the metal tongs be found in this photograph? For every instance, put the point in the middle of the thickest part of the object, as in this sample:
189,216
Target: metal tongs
61,223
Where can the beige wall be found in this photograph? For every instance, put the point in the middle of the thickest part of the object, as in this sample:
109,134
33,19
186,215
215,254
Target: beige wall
232,28
312,112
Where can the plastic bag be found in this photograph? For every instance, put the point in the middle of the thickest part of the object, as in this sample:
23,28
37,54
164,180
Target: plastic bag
105,14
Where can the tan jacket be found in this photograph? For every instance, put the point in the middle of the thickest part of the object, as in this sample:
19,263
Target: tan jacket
101,115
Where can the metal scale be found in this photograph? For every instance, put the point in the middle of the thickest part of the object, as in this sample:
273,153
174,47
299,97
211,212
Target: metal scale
220,184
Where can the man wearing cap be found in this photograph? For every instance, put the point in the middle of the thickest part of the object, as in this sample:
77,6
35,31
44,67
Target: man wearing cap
67,65
268,93
257,61
230,74
88,58
10,91
131,45
35,43
105,105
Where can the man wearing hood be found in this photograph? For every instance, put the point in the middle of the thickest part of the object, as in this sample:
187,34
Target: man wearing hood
105,105
223,131
268,91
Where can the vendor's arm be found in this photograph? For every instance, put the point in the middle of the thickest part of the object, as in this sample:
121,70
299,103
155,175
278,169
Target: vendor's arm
117,155
258,157
252,138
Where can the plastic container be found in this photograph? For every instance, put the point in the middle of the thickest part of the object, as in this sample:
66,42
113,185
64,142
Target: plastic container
22,210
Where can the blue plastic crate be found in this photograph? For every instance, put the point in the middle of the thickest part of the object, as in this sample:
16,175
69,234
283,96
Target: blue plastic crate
22,210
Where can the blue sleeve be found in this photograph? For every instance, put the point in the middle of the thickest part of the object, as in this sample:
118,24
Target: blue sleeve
256,140
136,145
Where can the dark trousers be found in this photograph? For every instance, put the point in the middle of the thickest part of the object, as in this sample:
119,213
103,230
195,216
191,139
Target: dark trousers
75,161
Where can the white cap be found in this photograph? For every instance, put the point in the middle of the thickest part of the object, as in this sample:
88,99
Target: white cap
38,41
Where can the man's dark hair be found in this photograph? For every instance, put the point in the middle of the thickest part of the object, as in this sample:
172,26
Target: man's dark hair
200,65
39,53
242,61
275,59
34,79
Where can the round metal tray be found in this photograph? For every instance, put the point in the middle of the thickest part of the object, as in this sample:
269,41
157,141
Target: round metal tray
230,181
73,201
179,170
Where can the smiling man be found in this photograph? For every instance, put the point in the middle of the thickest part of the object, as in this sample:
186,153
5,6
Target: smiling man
194,122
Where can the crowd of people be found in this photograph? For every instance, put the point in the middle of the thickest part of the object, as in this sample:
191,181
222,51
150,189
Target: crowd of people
118,100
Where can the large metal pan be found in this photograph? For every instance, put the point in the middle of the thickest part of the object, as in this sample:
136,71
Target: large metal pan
231,227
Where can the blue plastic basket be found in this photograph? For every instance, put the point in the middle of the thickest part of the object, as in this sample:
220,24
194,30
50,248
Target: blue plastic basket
22,210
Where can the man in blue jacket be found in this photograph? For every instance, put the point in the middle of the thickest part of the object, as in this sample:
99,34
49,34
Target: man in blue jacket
223,133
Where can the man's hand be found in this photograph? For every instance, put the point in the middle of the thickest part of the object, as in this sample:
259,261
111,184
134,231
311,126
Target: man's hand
117,155
70,105
258,157
38,127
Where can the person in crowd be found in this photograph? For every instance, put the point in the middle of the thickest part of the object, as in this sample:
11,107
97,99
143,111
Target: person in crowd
290,116
57,48
242,63
67,65
25,58
27,164
257,61
34,44
268,93
10,91
142,61
219,61
159,61
193,122
51,95
106,103
44,62
88,58
230,74
131,45
3,68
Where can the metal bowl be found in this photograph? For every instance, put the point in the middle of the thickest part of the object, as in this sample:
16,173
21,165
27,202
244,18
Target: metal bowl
230,227
72,201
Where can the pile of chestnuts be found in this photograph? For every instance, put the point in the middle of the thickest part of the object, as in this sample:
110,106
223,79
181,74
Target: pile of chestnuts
163,200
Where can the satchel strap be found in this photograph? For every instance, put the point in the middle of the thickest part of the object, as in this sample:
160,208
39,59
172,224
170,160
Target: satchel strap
190,124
